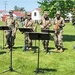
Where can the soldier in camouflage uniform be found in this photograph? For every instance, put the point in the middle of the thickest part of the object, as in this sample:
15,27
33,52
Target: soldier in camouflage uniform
28,23
12,23
45,23
58,27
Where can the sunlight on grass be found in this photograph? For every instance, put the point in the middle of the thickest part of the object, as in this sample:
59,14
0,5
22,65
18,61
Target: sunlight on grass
53,63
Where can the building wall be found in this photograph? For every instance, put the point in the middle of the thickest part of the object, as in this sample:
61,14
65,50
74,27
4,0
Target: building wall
36,16
1,17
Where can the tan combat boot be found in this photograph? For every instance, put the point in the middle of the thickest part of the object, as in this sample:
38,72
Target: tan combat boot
61,50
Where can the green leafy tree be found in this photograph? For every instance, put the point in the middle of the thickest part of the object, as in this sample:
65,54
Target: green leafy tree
52,6
19,8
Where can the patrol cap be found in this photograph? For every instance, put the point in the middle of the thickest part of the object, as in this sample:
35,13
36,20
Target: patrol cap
45,12
28,14
58,13
10,11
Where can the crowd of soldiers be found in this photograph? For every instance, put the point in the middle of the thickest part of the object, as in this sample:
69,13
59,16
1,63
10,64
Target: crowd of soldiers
44,23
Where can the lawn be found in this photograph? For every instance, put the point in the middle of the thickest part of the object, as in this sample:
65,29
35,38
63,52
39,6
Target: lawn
25,63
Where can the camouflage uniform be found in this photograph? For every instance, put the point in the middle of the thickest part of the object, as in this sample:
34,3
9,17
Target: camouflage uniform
28,23
58,35
12,23
45,23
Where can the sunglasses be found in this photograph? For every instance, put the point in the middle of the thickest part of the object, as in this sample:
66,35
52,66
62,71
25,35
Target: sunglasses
28,15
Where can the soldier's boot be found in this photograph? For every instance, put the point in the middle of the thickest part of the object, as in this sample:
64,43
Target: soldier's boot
61,50
26,46
9,44
43,45
30,45
56,49
46,48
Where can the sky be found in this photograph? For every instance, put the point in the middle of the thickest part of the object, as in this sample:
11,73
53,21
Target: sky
29,5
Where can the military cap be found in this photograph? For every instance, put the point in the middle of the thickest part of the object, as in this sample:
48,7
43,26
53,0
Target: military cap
10,11
28,13
45,12
58,12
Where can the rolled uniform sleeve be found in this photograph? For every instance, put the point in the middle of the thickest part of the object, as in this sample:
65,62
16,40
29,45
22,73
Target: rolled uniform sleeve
63,23
25,23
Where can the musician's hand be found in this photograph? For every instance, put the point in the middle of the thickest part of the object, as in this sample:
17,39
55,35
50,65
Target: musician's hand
56,27
59,25
42,26
14,32
33,28
28,27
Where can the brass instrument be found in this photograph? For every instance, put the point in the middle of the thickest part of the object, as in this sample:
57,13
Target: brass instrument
29,24
56,26
46,25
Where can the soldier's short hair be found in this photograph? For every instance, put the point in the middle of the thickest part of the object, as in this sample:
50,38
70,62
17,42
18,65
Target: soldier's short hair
45,12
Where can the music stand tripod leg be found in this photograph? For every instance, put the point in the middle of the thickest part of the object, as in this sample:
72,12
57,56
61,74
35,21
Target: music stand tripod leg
35,47
38,70
38,57
47,51
10,68
35,41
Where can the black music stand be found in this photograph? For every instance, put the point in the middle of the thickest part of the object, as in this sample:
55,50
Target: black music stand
39,36
10,67
48,31
45,36
4,28
35,40
25,30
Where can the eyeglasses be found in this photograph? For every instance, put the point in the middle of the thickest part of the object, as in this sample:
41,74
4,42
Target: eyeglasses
58,14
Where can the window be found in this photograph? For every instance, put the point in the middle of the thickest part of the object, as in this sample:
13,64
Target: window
34,13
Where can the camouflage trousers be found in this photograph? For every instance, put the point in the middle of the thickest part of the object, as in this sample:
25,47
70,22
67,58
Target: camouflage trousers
45,43
58,39
10,40
27,40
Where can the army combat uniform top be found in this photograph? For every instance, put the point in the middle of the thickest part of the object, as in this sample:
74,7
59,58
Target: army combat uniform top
13,24
29,23
45,23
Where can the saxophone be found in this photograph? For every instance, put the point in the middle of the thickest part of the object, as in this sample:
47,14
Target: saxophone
56,27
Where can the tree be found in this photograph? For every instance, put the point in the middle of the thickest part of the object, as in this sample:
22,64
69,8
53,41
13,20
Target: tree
22,9
19,8
52,6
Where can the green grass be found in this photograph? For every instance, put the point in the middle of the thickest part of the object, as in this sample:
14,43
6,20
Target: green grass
53,64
